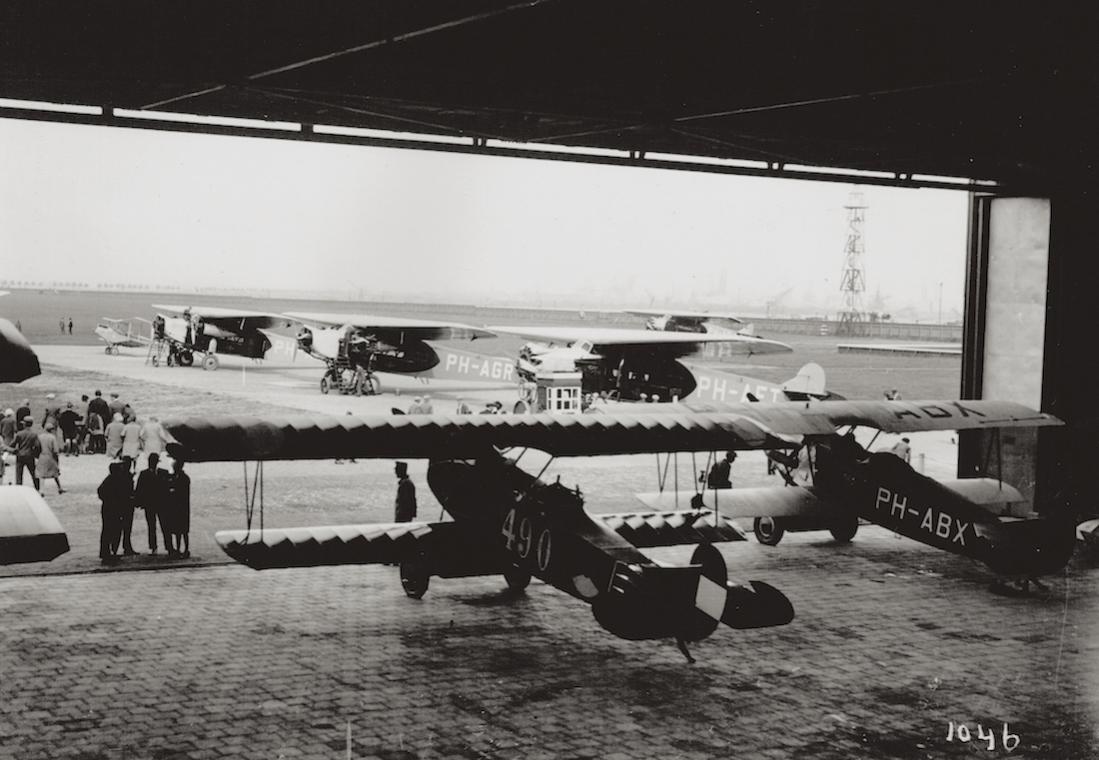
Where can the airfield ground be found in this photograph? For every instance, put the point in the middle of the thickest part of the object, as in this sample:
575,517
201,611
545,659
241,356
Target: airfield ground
204,659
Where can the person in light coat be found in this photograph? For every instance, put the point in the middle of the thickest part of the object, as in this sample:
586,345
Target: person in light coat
114,436
48,464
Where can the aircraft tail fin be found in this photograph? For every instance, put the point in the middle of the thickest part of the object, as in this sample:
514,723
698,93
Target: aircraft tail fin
752,604
808,380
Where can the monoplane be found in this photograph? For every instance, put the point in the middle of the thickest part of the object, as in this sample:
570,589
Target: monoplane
123,333
833,482
356,346
181,332
507,521
631,364
711,323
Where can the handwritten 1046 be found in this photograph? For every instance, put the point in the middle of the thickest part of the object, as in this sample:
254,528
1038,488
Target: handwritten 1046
961,733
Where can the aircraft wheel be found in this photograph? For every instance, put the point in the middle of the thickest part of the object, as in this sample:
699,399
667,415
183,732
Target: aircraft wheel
324,386
186,358
844,528
768,531
373,387
414,578
156,361
107,350
517,578
521,407
210,362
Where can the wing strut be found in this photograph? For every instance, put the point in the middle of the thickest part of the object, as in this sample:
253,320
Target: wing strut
257,490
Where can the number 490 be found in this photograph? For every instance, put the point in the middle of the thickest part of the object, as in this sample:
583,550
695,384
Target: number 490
519,539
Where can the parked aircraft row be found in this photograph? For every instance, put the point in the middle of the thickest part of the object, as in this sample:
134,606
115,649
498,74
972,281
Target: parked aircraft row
629,364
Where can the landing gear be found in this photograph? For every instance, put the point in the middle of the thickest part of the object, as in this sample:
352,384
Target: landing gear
844,528
415,577
210,362
111,350
683,648
517,578
768,531
325,386
185,358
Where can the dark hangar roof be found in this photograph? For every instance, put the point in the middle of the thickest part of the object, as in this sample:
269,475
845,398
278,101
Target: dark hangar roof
986,90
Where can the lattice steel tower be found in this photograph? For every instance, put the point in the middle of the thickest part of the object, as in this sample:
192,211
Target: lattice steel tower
853,280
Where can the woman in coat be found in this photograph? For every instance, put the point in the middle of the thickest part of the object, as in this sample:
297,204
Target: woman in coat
114,436
48,464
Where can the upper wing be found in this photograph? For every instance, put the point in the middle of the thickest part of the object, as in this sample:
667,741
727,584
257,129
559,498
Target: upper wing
743,426
671,528
675,344
232,318
17,359
422,329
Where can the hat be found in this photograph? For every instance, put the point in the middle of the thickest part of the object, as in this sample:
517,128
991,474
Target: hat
28,421
51,395
118,417
114,394
9,412
50,425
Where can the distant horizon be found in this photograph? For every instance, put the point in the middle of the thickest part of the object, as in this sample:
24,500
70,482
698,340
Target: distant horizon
566,302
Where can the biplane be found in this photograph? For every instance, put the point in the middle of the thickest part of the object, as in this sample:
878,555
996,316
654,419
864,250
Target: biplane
509,522
122,333
210,330
832,482
631,364
356,346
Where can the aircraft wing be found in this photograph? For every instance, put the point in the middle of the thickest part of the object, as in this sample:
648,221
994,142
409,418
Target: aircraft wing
609,340
701,316
17,359
29,530
742,426
991,500
668,527
378,543
423,329
235,319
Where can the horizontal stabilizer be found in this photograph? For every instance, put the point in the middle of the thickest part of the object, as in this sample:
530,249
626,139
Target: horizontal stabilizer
29,531
993,495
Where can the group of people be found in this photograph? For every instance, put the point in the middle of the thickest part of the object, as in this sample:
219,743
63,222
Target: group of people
61,324
35,447
164,496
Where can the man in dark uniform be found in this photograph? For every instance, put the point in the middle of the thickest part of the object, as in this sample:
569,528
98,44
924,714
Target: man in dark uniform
179,506
149,494
721,471
116,494
406,495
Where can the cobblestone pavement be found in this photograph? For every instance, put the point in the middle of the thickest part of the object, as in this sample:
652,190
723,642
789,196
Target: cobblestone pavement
892,642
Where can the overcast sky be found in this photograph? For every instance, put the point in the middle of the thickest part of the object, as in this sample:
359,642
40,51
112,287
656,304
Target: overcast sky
107,204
